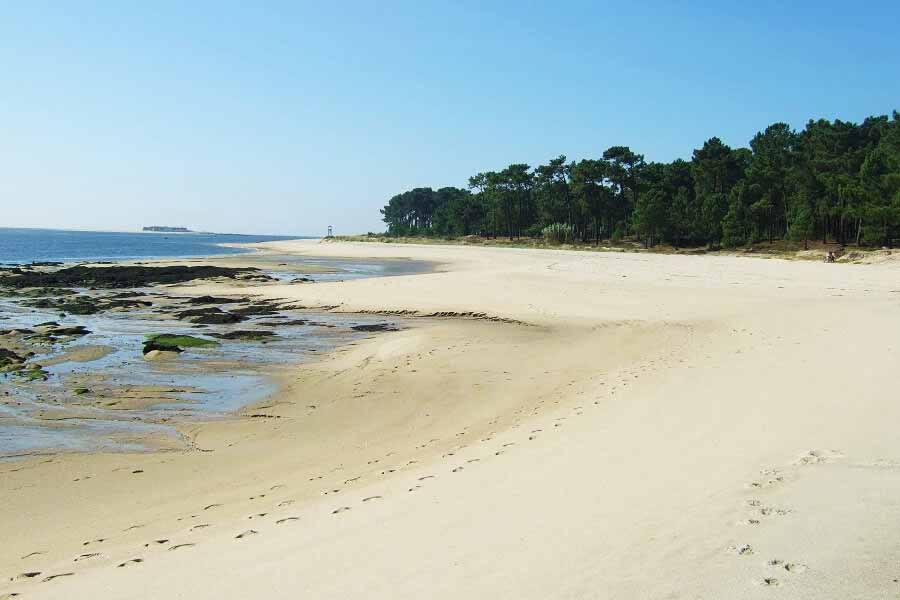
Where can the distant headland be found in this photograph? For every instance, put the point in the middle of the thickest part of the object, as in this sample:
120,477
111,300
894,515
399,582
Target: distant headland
167,229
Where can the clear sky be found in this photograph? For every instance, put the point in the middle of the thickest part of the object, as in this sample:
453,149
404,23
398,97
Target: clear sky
285,117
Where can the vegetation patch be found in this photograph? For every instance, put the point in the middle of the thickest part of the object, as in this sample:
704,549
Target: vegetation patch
166,342
33,373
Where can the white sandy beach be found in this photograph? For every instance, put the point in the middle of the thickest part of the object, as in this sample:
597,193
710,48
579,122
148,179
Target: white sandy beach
649,427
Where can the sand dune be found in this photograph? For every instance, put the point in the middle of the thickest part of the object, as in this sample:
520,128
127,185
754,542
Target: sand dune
649,427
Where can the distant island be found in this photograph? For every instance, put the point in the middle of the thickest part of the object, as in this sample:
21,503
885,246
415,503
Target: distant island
166,229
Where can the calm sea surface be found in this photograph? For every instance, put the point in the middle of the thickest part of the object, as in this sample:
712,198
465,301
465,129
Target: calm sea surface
42,245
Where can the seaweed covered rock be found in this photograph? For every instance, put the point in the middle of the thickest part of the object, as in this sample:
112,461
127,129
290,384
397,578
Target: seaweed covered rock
12,361
257,309
209,316
374,327
214,300
33,372
38,292
84,304
246,335
52,332
125,276
166,342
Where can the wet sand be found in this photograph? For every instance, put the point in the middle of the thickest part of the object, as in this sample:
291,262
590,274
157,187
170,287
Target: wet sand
562,425
92,389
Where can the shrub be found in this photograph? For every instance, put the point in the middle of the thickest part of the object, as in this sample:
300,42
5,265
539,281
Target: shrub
558,233
618,233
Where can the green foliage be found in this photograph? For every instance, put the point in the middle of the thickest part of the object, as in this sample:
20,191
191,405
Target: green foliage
558,233
835,180
180,341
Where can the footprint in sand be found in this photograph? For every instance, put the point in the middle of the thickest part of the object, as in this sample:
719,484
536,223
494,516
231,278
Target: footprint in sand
86,556
457,469
127,529
472,460
133,561
276,487
8,596
770,478
371,498
246,534
57,576
814,457
199,526
340,510
286,520
157,542
744,550
351,480
768,511
180,546
771,582
90,542
795,567
426,477
212,506
790,567
284,503
257,516
28,575
33,554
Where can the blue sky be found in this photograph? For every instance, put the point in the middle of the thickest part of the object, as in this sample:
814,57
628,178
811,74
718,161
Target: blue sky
286,117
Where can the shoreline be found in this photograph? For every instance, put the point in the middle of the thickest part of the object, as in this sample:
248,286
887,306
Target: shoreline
48,417
656,414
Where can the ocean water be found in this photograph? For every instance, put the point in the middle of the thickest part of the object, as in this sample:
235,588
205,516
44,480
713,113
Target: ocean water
18,246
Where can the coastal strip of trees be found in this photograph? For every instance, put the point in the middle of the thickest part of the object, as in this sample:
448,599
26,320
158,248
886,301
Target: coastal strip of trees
835,181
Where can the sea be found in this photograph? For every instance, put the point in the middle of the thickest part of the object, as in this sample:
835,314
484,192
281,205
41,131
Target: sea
21,246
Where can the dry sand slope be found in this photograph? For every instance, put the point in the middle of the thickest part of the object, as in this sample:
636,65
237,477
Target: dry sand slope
662,427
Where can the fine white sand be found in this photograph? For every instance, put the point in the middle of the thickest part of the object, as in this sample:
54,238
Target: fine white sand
655,427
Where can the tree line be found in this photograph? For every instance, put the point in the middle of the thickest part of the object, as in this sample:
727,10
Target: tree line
836,181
